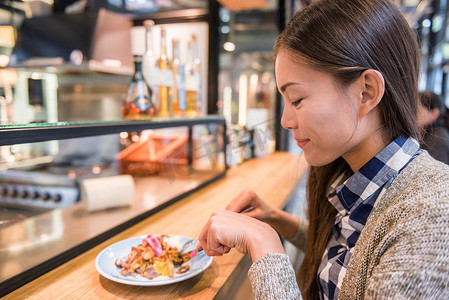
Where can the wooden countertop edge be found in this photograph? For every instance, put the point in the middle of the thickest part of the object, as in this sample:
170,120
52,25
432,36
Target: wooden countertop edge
273,177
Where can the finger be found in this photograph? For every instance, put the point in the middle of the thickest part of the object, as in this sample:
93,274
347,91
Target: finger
253,213
239,203
216,238
202,238
236,202
214,251
199,245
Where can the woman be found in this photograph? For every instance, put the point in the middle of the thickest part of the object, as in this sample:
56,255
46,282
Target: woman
377,225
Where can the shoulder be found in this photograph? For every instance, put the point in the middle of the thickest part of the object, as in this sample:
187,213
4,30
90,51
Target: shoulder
420,191
405,234
424,176
426,164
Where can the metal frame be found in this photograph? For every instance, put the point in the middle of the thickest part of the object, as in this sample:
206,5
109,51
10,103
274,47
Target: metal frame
21,134
281,133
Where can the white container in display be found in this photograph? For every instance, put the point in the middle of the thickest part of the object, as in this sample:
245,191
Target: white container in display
107,192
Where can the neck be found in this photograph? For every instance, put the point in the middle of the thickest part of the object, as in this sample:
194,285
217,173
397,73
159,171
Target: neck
370,141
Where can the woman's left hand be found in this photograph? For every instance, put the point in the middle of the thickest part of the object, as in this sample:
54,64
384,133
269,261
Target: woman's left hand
225,230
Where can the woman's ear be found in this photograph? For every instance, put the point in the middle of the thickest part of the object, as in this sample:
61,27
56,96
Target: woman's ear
372,85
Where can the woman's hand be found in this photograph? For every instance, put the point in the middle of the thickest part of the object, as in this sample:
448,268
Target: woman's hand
249,199
284,223
226,230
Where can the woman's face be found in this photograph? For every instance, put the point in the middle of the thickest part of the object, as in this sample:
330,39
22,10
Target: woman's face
322,116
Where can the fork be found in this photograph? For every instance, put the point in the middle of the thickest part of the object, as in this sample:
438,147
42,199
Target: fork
193,252
187,245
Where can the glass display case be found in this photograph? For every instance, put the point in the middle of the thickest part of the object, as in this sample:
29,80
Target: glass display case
65,187
73,171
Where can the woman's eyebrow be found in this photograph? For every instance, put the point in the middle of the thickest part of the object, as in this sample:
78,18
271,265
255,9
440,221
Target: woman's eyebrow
286,85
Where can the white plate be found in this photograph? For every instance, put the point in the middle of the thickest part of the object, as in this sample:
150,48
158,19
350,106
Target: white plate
105,263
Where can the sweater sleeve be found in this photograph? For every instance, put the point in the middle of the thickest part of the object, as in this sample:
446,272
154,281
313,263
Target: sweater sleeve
273,277
301,236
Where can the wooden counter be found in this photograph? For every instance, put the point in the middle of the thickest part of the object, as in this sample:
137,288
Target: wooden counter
273,178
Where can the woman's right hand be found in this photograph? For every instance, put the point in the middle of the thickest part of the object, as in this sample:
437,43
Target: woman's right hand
248,199
225,230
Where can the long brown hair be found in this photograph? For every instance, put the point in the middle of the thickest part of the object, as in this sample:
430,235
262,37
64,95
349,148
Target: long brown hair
345,38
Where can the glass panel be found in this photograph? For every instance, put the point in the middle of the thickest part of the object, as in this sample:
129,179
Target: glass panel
49,202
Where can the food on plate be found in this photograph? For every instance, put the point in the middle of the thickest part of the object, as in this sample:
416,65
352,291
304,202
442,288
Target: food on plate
183,269
153,257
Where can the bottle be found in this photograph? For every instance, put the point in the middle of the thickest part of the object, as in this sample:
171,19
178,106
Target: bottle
179,99
165,79
139,101
150,61
193,79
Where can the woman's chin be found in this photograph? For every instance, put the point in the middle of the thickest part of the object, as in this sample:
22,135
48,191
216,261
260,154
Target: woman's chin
317,160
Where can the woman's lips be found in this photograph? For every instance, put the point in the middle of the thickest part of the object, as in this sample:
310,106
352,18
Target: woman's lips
302,142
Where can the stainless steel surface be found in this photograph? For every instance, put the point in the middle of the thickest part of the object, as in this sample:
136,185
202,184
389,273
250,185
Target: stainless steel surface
84,43
10,215
96,97
48,186
43,196
25,243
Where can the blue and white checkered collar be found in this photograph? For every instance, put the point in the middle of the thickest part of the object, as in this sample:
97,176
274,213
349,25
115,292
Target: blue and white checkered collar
378,171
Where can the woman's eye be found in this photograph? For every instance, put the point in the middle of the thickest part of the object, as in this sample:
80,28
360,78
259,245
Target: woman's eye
296,103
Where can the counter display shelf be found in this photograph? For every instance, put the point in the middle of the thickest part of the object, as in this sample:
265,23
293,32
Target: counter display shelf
274,178
42,238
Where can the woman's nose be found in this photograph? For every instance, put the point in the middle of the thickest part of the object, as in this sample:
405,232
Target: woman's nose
288,121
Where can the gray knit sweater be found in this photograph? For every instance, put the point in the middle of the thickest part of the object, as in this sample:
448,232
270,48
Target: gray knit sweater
402,252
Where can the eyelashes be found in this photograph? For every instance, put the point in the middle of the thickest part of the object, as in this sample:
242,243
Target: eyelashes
296,103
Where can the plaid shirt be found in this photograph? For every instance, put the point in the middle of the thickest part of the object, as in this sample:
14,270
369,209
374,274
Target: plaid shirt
355,199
